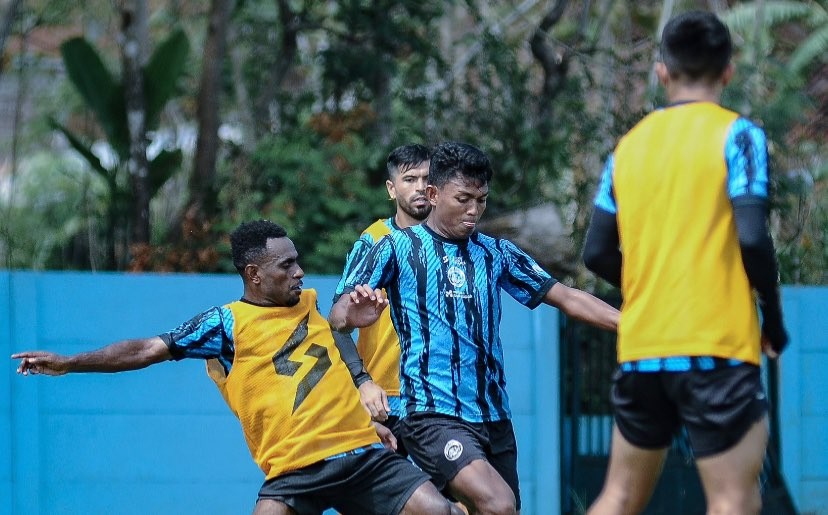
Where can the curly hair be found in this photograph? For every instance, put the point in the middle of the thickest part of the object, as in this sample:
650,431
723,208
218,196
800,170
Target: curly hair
249,240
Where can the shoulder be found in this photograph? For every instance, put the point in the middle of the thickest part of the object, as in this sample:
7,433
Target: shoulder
377,230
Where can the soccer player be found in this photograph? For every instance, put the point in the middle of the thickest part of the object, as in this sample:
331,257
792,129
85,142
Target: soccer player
684,200
443,280
378,344
279,367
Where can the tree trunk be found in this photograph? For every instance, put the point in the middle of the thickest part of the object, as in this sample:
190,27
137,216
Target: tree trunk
291,22
133,55
6,26
555,64
201,187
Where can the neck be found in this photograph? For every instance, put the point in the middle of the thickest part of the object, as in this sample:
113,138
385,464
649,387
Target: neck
403,220
694,93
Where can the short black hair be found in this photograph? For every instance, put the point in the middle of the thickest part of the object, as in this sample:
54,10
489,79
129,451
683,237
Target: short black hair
249,241
406,157
696,45
451,159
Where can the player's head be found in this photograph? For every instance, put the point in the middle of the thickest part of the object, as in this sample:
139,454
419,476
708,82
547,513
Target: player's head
268,262
696,47
407,179
458,187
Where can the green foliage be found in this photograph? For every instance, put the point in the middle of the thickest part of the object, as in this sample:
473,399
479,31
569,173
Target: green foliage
67,201
104,96
315,188
770,86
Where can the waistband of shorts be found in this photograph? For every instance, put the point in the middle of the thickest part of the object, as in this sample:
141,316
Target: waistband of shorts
678,364
352,452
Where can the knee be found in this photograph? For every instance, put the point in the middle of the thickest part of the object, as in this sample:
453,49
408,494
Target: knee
736,503
497,505
618,501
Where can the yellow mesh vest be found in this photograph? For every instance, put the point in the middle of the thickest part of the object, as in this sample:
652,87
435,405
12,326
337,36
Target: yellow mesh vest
685,288
290,388
378,344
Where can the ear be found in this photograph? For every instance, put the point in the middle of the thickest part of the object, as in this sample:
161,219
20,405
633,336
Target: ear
251,274
389,185
432,193
727,74
662,73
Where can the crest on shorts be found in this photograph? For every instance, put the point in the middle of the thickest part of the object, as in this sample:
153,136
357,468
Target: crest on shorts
453,450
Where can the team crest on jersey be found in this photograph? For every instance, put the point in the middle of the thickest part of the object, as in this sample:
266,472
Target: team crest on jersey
453,450
456,277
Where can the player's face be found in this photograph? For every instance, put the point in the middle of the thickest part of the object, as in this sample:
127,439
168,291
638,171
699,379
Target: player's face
408,190
280,274
457,206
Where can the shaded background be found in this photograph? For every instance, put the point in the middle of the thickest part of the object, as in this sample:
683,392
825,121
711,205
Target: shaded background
286,109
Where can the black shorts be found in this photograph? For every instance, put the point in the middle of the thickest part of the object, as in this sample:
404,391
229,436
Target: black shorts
717,407
376,481
442,445
393,423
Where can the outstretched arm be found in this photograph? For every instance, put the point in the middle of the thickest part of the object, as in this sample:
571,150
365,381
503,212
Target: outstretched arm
359,308
117,357
583,306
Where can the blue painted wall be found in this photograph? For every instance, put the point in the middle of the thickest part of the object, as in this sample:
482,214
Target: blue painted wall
161,440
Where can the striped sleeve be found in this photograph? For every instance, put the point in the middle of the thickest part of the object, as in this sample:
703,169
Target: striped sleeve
746,155
358,252
524,279
378,267
605,197
207,335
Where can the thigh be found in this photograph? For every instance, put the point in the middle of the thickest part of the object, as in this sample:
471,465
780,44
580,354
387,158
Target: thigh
502,454
441,445
272,507
731,478
379,482
631,477
720,406
643,411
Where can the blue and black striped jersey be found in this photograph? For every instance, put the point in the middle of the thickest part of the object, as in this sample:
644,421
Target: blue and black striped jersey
445,305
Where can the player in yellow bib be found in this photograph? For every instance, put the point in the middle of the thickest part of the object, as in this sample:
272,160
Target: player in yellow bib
680,224
378,344
290,381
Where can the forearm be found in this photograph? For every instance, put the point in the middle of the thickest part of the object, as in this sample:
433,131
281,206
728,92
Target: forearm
348,351
337,318
759,260
582,306
121,356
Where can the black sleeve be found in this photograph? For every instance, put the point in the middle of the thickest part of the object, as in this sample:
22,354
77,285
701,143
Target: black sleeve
759,258
347,349
602,254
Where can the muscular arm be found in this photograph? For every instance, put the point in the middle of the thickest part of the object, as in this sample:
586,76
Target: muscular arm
117,357
602,254
583,306
759,259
